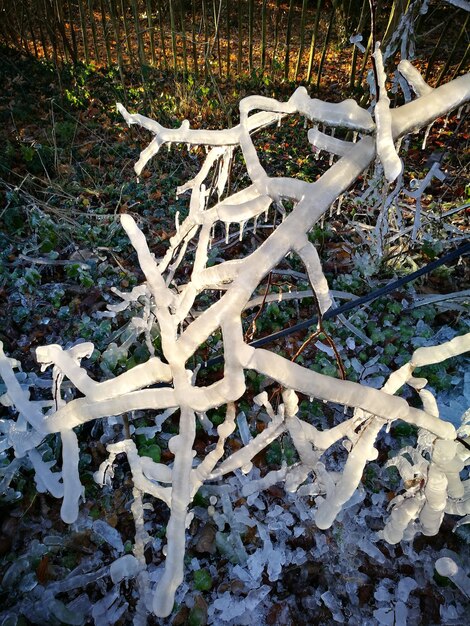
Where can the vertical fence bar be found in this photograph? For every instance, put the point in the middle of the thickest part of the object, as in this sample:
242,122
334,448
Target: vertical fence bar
58,23
360,26
276,37
104,24
24,39
72,43
127,32
313,42
240,37
83,29
117,37
228,34
194,39
263,34
463,30
398,10
434,53
288,36
250,34
302,38
364,61
462,63
42,36
91,13
29,29
49,22
161,26
73,36
205,23
148,6
217,32
23,28
173,36
32,34
15,29
326,44
138,33
183,37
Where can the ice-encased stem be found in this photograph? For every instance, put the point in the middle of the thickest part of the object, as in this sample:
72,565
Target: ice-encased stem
181,495
383,118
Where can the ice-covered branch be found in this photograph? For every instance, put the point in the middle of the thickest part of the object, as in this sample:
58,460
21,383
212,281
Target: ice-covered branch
461,4
427,108
346,392
414,78
383,118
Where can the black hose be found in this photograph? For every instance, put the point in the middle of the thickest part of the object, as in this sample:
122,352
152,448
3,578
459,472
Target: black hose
344,308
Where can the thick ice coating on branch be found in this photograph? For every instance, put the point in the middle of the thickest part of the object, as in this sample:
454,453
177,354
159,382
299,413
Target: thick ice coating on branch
386,150
414,78
174,325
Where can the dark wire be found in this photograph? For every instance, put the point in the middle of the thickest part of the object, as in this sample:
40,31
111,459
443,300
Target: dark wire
344,308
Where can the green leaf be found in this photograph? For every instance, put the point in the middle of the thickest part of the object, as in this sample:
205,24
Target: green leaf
153,451
202,580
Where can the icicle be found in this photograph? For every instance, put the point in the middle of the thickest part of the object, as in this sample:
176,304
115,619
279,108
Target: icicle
242,227
227,231
188,147
404,87
204,194
255,224
224,171
305,122
426,135
372,88
355,136
169,146
340,202
330,160
266,213
177,221
279,121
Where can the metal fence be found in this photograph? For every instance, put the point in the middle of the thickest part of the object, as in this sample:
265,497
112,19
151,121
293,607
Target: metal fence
280,39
